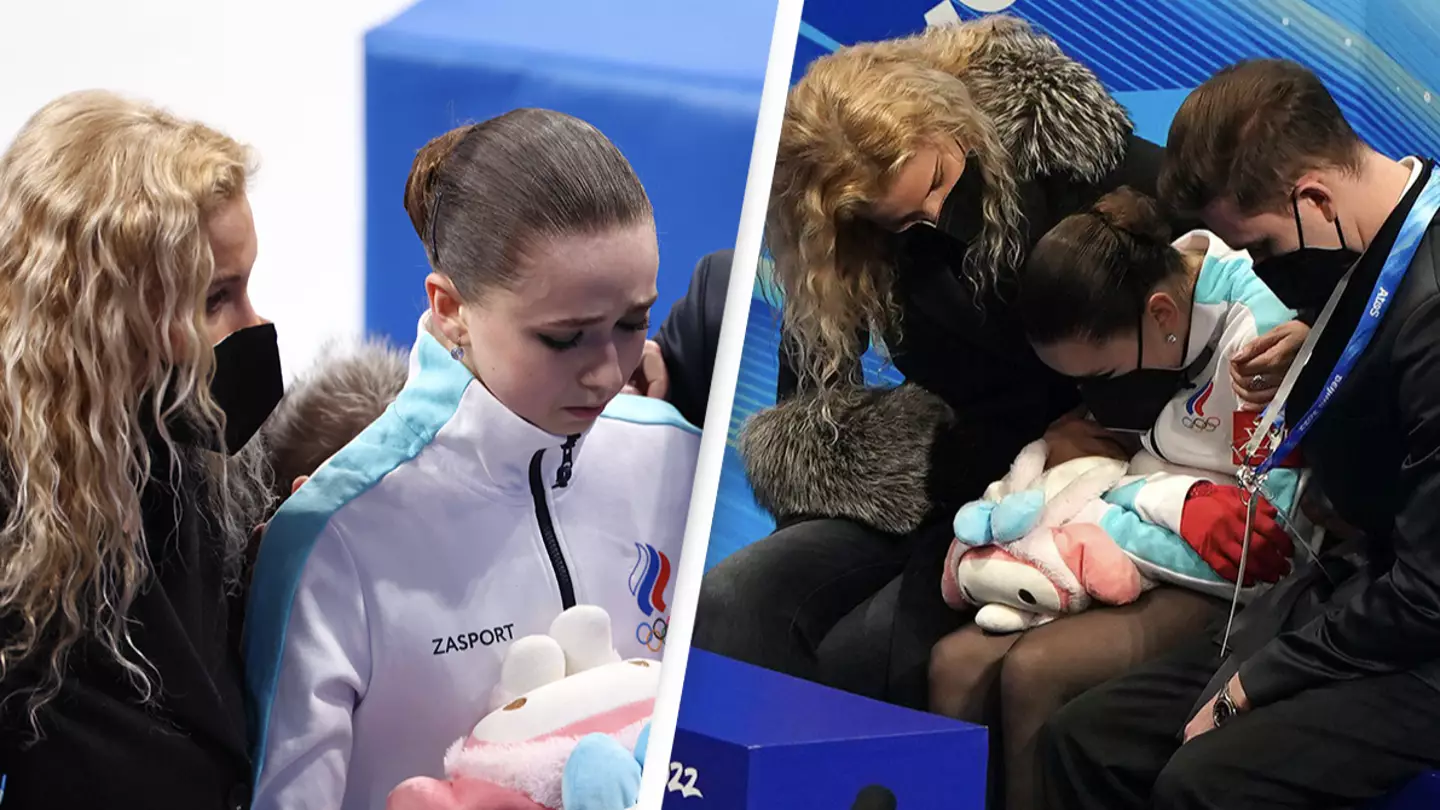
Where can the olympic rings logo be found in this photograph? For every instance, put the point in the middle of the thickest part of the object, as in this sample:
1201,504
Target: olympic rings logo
1201,424
652,634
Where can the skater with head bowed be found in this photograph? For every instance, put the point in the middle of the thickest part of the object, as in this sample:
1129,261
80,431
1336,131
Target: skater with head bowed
509,481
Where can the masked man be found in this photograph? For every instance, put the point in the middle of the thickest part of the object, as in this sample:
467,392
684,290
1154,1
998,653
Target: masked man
1328,690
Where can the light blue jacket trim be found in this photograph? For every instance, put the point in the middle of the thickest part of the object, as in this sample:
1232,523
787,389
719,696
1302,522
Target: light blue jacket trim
428,401
1156,545
1229,280
1124,496
646,411
1281,488
1232,280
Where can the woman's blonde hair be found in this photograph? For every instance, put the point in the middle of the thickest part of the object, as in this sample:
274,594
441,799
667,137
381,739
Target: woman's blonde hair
104,268
851,123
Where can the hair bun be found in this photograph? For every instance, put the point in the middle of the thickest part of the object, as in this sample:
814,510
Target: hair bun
424,175
1133,213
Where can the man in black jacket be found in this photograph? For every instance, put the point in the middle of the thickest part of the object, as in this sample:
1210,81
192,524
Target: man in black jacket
1330,692
679,361
689,336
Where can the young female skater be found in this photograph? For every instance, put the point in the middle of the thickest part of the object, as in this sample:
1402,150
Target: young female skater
509,480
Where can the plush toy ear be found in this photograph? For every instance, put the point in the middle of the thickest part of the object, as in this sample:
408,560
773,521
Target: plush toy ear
1024,471
1087,487
1105,571
583,632
1030,463
530,663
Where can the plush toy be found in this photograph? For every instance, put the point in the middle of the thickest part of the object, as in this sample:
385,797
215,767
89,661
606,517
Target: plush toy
1042,543
567,731
1030,551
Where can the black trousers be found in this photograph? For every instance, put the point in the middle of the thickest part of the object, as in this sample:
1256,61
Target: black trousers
833,602
1338,746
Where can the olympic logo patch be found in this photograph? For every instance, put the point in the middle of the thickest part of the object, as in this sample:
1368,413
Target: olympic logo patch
652,634
648,580
1195,418
1195,405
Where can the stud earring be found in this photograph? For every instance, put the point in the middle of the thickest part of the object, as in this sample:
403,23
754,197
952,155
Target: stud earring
458,352
1170,338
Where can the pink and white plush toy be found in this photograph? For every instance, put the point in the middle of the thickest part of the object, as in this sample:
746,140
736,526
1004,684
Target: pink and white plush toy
567,729
1034,548
1042,543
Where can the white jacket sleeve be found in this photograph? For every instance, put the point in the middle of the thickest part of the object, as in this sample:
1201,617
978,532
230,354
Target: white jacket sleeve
1157,498
319,677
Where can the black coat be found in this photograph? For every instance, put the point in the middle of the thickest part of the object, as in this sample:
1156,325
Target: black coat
101,747
690,334
1375,452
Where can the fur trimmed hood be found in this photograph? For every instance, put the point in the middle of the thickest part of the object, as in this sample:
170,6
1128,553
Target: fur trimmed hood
872,466
877,463
349,386
1052,113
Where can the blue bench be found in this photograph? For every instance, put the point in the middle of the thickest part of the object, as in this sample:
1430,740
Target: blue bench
1421,794
751,739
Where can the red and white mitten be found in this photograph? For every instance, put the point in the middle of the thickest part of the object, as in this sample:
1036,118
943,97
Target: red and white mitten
1213,523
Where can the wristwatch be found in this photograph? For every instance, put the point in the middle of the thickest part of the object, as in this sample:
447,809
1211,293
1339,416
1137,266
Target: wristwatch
1225,709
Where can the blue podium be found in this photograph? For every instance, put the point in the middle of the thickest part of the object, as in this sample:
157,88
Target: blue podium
751,739
675,85
1421,794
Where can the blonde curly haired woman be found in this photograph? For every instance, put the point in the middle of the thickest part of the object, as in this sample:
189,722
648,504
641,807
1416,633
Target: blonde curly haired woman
913,176
126,245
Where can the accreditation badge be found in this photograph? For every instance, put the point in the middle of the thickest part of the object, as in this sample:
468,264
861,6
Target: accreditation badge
1245,423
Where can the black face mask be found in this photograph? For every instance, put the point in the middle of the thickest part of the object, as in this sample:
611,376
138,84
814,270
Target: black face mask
1304,279
962,215
247,386
1130,403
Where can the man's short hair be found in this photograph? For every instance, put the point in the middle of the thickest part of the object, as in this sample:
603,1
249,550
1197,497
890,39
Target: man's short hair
349,387
1248,133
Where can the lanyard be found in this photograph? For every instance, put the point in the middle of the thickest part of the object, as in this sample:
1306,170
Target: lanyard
1427,205
1412,230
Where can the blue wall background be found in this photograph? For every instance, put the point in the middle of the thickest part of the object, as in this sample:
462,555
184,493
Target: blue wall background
675,85
1373,54
1380,58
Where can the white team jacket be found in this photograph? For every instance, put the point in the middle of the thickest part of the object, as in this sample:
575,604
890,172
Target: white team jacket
389,587
1197,436
1232,307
